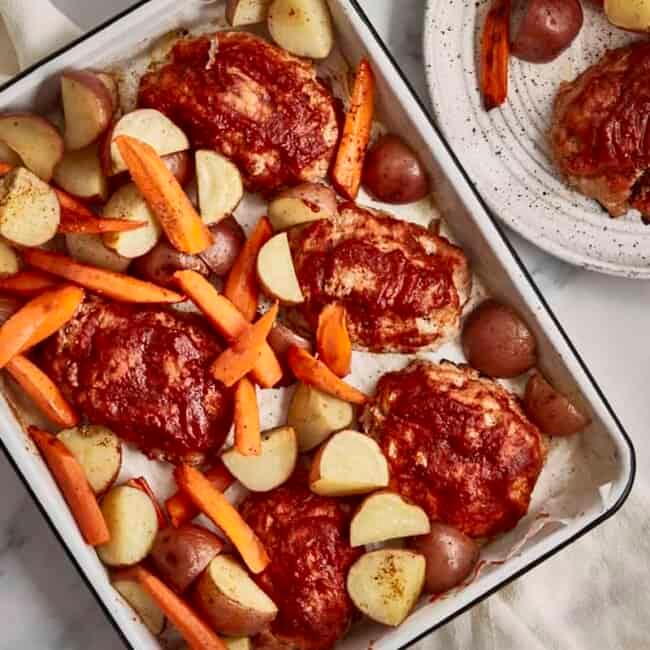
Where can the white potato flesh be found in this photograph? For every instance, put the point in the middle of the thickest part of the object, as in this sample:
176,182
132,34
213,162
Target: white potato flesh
90,249
132,523
29,208
127,203
9,260
8,155
220,186
629,14
315,416
302,27
276,273
348,463
302,204
142,604
385,515
80,173
386,584
246,12
111,85
87,105
152,127
238,643
99,452
272,467
35,140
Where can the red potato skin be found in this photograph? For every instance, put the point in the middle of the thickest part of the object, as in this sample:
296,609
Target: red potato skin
281,339
180,164
163,260
228,238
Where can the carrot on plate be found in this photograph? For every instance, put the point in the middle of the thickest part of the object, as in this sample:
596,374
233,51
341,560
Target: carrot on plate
495,54
248,439
229,322
28,283
333,340
43,391
71,479
242,356
181,508
242,288
197,634
214,504
348,166
310,370
109,283
142,484
164,195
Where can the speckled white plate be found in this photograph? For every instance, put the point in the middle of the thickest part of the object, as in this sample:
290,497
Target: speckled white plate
505,153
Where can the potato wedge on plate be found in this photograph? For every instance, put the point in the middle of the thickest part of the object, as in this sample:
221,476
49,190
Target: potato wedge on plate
246,12
386,584
8,155
348,463
302,204
272,467
220,186
9,260
276,273
90,249
140,601
230,601
80,173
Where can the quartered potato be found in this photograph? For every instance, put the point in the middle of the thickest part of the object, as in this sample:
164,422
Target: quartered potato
90,249
29,208
386,515
230,601
315,416
9,260
99,452
140,601
633,15
348,463
276,273
80,173
386,584
127,203
272,467
163,260
238,643
302,27
133,524
220,186
246,12
302,204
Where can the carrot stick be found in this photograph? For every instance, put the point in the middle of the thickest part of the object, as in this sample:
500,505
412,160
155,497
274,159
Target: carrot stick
495,54
195,632
229,322
213,504
109,283
333,341
142,484
166,198
181,508
248,440
311,371
28,283
43,391
241,287
5,168
242,356
72,481
348,166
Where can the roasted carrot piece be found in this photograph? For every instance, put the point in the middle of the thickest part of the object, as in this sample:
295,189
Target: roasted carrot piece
43,391
348,166
333,341
241,287
109,283
142,484
183,226
181,508
229,322
72,481
214,504
311,371
248,440
495,54
28,283
5,168
196,633
242,356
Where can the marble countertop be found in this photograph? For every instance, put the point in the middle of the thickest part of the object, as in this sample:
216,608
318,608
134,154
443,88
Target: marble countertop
43,601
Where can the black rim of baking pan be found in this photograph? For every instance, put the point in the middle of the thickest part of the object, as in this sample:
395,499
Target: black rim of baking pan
498,227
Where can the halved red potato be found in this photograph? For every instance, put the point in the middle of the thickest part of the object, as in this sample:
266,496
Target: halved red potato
220,186
133,524
99,452
29,208
180,164
80,173
302,204
163,260
385,585
272,467
87,105
35,140
9,260
227,241
276,273
348,463
90,249
386,515
230,601
181,554
140,601
246,12
9,156
111,85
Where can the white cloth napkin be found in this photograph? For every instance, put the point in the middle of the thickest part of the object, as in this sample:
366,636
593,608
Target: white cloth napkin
595,595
